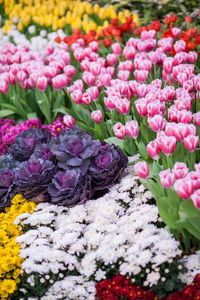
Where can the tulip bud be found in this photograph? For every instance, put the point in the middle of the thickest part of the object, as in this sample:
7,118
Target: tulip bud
180,170
168,145
153,149
184,188
196,198
132,129
42,83
77,96
141,169
141,75
97,116
60,81
69,121
191,142
167,178
119,130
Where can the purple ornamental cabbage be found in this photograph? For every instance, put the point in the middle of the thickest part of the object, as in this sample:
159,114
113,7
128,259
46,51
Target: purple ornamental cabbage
70,187
43,151
7,162
33,177
107,167
25,143
7,178
74,148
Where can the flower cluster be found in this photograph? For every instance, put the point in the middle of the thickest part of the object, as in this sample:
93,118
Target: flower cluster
186,183
65,170
73,14
9,130
10,260
119,286
97,240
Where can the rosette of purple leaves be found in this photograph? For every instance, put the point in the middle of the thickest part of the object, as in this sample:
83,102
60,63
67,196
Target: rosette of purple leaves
7,178
43,151
107,167
25,143
74,148
33,177
70,187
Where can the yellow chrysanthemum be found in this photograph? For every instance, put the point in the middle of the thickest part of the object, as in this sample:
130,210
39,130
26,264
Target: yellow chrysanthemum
10,260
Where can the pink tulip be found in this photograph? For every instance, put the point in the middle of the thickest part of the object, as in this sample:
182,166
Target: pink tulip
105,79
141,107
180,170
168,145
153,149
184,188
123,75
122,106
179,46
97,116
168,65
3,86
167,178
151,34
172,114
50,71
21,76
93,91
69,121
195,177
94,46
112,59
192,57
119,130
60,81
184,116
86,99
175,32
85,65
109,103
141,169
77,96
69,71
156,123
78,84
88,78
116,48
95,68
132,129
129,52
191,142
196,118
141,75
42,83
126,66
196,198
154,108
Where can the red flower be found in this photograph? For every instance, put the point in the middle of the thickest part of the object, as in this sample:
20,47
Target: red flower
107,42
169,20
190,46
114,21
188,19
58,40
167,33
155,25
197,38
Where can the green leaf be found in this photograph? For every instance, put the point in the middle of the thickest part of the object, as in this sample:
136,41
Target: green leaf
32,116
5,113
115,141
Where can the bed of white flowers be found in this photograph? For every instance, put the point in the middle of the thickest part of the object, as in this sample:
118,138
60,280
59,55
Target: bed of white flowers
67,250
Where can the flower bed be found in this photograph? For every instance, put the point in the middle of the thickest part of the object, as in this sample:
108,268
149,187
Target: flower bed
78,221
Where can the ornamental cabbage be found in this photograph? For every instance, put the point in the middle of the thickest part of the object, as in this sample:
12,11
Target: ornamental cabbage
107,167
74,148
70,187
